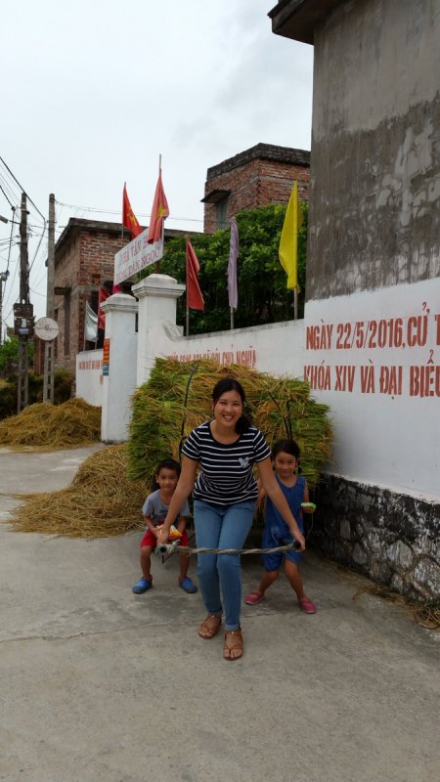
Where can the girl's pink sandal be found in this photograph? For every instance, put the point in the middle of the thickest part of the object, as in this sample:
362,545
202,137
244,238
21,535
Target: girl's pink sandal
307,606
253,598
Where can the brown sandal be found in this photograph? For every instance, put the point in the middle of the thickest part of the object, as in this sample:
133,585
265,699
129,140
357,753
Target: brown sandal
210,626
233,648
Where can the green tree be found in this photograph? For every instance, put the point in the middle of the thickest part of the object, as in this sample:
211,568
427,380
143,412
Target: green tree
262,293
9,352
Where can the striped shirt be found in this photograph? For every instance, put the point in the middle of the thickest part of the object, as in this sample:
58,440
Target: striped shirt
226,469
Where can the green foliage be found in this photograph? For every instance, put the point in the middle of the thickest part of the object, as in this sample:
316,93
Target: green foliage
9,353
262,293
8,399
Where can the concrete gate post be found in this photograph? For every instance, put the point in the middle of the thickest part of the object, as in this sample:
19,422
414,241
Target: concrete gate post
157,296
118,366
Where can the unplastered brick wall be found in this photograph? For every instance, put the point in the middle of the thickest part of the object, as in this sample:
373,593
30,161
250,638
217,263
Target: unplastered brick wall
83,263
97,253
260,176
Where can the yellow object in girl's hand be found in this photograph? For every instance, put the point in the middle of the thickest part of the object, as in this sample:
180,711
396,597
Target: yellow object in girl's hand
174,533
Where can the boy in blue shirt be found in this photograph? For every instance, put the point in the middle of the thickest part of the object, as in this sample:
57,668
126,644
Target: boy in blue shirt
154,510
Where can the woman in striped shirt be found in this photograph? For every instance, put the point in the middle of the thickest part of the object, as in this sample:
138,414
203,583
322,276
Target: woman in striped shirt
225,493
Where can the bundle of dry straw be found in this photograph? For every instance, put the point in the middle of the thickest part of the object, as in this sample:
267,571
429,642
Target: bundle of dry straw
177,397
107,494
101,501
75,422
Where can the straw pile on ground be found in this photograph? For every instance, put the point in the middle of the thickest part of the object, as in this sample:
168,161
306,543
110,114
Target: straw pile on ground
100,502
75,422
177,397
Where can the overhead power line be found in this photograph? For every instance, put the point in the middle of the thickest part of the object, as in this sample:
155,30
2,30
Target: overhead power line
23,190
6,196
118,212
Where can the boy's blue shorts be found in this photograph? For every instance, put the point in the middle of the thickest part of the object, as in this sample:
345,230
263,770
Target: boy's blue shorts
273,538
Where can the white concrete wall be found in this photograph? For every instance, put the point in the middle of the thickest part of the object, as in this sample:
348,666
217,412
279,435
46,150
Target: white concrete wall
89,377
157,295
119,366
276,348
374,358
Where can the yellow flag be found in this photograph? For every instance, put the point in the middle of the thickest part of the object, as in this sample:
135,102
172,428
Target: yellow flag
288,249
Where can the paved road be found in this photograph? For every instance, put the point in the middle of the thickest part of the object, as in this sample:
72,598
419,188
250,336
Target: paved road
99,685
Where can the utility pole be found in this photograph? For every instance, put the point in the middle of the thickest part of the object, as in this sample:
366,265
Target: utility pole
24,254
3,277
49,345
23,312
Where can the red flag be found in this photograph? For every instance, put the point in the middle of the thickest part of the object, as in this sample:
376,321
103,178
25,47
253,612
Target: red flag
103,295
194,298
129,219
158,213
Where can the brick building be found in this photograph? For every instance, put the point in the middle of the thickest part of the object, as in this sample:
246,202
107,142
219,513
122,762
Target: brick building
84,263
262,175
84,253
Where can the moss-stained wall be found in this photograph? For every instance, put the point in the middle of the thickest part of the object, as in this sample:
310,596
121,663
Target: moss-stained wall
375,186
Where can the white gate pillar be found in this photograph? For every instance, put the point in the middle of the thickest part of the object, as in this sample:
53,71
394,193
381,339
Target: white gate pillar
157,296
118,366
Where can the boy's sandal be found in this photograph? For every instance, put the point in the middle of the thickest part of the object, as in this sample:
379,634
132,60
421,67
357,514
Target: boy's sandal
187,585
233,648
210,626
253,598
142,585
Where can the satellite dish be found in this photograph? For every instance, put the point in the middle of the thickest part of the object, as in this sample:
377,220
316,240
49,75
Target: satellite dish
46,329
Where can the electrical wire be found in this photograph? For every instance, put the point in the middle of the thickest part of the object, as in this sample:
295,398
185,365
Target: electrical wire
6,196
116,212
8,191
10,247
38,247
23,189
11,288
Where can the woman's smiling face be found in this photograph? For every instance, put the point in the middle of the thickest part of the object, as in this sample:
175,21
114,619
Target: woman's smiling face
228,409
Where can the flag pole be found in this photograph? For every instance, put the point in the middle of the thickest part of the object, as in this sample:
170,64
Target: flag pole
295,303
122,223
232,270
163,221
186,267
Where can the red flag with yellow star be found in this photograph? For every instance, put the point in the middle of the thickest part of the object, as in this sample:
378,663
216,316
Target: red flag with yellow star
129,219
158,213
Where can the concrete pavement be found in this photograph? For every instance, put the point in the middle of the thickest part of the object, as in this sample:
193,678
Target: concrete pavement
100,685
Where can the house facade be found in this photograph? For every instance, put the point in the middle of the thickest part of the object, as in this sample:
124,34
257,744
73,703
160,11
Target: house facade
372,314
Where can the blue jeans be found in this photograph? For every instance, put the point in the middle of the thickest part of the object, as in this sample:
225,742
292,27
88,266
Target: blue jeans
219,576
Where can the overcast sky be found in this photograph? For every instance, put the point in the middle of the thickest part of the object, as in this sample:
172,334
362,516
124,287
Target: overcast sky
93,91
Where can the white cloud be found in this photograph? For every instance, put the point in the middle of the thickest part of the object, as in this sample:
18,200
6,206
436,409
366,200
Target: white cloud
97,90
